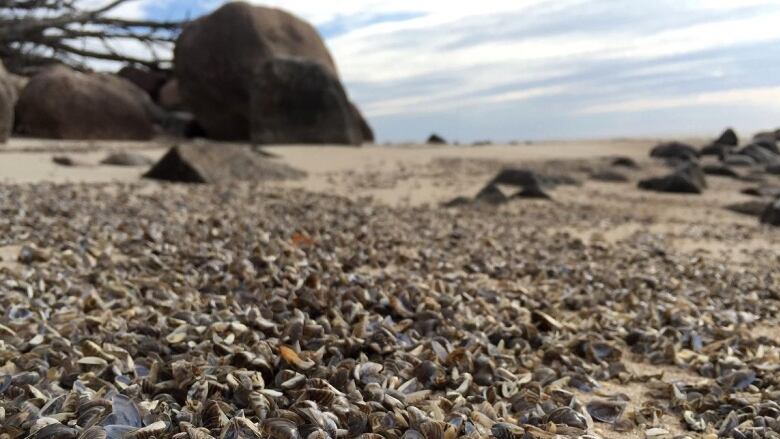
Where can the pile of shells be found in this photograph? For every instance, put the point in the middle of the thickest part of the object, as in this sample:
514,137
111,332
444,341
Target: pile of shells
234,312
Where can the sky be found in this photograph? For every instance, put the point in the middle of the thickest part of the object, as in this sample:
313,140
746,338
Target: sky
505,70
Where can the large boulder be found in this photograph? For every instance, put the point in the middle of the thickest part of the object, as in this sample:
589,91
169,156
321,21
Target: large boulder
435,139
169,97
295,100
204,163
365,129
7,101
675,150
148,80
61,103
218,55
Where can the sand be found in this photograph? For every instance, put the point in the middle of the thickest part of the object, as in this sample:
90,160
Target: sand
423,175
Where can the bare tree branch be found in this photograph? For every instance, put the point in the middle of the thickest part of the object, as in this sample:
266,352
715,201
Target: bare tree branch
40,32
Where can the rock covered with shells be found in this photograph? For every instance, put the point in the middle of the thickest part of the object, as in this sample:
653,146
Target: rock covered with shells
137,315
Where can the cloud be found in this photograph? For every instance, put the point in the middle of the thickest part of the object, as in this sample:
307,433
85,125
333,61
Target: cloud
567,64
759,97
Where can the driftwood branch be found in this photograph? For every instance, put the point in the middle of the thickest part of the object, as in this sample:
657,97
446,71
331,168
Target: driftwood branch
34,33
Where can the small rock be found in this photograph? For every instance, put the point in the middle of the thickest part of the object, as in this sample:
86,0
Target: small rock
769,145
764,191
773,169
436,139
625,162
206,163
717,149
739,160
491,194
609,176
457,201
30,254
729,137
678,182
675,150
760,154
720,170
516,177
752,208
771,214
532,192
65,160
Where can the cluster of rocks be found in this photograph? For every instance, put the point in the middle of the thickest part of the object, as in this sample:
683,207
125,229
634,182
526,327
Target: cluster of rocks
242,73
513,183
723,157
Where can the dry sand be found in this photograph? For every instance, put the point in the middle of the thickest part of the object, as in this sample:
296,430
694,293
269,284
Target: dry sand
420,175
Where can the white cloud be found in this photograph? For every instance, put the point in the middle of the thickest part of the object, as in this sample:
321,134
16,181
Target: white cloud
758,97
452,54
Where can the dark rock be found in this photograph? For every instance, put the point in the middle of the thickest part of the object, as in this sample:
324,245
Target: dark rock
694,172
366,132
721,170
685,180
773,169
182,125
147,80
675,150
739,160
169,97
729,137
760,154
771,214
299,101
674,183
217,57
763,191
126,159
61,103
516,177
65,160
491,194
457,201
717,149
218,163
436,139
625,162
532,192
609,176
752,208
768,135
769,145
7,101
